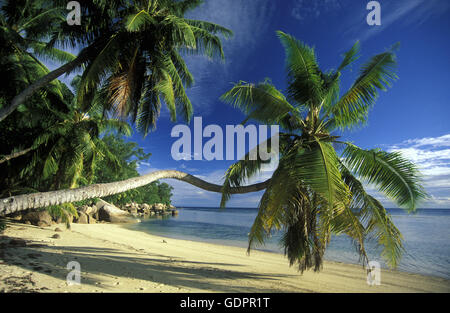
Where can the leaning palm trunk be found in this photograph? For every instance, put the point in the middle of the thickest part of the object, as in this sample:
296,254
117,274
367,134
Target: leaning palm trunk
41,82
43,199
15,155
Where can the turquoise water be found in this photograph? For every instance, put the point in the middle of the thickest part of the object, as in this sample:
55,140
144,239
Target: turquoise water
426,234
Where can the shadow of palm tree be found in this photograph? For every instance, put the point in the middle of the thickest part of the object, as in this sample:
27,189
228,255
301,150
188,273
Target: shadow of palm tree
156,268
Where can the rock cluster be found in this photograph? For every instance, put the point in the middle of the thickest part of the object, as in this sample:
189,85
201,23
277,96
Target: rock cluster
146,210
102,211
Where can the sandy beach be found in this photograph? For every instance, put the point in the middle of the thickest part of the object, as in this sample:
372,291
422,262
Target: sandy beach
116,259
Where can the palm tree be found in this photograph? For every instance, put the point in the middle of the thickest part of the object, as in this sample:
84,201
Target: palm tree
21,46
24,27
133,55
314,193
43,199
65,150
141,63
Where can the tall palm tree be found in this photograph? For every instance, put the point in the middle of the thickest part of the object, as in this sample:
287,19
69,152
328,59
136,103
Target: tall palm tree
314,192
25,26
141,64
21,51
62,141
133,55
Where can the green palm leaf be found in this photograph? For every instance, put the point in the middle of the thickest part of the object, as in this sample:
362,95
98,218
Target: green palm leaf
106,61
304,80
44,51
317,166
211,27
377,74
262,102
392,174
138,21
378,223
350,56
240,172
182,32
165,87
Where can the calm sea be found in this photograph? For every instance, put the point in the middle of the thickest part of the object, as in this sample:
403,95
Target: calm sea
426,235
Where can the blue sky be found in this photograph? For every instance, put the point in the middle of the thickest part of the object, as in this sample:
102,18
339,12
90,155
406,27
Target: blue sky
411,117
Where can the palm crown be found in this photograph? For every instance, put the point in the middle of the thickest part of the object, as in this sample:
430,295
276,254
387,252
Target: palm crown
138,60
314,193
131,52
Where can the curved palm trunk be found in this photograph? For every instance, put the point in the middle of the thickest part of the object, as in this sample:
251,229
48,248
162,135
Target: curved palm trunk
41,82
43,199
15,155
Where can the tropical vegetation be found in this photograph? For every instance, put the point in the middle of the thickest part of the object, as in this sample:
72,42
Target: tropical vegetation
318,188
61,144
131,58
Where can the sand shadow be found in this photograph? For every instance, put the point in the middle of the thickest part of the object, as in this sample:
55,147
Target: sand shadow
156,268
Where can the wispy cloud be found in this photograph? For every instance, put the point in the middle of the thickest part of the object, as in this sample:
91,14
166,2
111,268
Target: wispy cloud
248,21
432,156
142,165
405,13
306,10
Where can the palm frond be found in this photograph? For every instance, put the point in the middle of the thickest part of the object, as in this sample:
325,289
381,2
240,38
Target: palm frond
378,223
105,62
377,74
182,33
165,87
44,51
392,174
211,28
148,109
206,44
138,21
350,56
238,173
262,102
318,167
304,80
185,75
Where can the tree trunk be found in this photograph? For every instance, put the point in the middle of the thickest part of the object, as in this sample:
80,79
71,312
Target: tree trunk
41,82
43,199
14,155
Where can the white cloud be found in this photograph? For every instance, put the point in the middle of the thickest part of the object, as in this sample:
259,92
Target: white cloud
430,154
142,165
443,141
432,157
304,10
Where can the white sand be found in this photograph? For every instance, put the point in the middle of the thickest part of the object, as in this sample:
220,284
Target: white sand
115,259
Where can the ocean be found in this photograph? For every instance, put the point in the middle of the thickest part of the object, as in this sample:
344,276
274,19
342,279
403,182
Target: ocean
426,236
